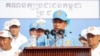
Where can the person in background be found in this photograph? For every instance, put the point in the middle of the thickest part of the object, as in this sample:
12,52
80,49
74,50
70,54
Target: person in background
41,39
83,41
32,39
5,44
83,37
61,22
93,38
18,38
37,37
6,25
33,34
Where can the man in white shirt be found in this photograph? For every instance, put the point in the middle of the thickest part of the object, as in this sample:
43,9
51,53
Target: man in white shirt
18,38
5,44
93,38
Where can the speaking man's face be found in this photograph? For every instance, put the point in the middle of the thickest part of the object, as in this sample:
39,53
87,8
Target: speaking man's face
59,24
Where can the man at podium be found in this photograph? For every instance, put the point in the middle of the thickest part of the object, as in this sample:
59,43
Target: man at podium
60,33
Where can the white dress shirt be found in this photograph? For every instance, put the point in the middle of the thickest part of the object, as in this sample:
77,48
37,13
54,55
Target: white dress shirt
18,41
96,51
11,52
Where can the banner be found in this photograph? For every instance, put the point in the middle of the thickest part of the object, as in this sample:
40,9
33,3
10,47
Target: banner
83,9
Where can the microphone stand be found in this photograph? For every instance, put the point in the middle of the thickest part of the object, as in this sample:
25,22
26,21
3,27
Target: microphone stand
61,32
53,32
47,34
55,40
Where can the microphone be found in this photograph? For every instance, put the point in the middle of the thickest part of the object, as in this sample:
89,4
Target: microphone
53,32
61,32
46,32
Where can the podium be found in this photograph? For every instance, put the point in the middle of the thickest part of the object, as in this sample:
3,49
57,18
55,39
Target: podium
57,51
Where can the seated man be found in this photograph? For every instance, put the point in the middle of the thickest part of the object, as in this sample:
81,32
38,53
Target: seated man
5,45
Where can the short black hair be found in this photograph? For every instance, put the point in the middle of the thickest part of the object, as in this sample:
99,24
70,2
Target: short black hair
5,38
40,29
32,29
82,38
14,26
90,35
59,19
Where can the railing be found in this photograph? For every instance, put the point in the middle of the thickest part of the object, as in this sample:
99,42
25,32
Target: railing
57,51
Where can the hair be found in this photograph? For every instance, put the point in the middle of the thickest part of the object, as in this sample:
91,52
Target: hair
32,29
82,38
90,34
59,19
40,29
4,38
14,26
